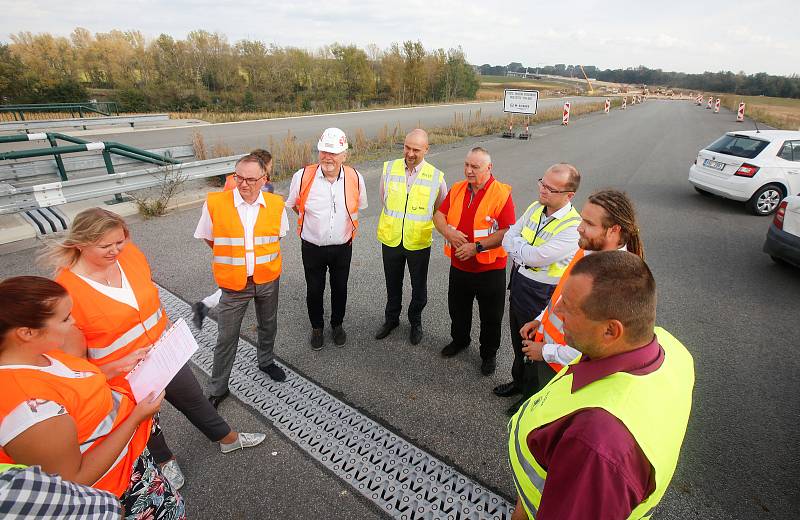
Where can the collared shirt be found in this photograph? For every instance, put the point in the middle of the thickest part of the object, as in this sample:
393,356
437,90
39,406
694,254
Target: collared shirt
470,204
326,221
31,493
411,176
557,248
248,213
593,462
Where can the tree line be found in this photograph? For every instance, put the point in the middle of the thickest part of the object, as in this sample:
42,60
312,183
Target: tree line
207,72
725,81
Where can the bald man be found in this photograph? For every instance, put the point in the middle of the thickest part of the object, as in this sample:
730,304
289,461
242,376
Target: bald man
411,189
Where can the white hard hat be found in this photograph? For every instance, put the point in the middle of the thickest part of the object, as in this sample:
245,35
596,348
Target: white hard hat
332,140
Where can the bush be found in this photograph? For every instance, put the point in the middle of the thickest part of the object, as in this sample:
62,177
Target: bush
132,100
66,91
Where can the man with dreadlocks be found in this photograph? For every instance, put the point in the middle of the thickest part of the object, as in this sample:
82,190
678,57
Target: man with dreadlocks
608,223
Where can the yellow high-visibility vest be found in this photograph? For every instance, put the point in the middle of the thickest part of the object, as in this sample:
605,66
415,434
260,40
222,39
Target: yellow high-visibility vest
407,215
653,407
552,273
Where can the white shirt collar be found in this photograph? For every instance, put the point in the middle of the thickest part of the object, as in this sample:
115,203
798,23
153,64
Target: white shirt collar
238,200
416,169
563,211
320,173
587,252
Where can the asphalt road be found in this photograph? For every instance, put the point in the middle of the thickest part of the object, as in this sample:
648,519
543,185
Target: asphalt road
734,309
246,135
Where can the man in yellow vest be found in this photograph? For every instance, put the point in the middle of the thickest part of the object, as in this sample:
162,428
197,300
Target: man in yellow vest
243,227
541,244
602,439
411,190
608,223
473,219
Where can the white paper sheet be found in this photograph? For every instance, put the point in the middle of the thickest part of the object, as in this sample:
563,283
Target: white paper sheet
168,355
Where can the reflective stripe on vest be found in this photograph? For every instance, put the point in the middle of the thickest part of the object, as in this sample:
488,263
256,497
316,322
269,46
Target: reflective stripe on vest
106,425
229,261
551,328
484,223
407,215
553,226
127,337
654,408
352,194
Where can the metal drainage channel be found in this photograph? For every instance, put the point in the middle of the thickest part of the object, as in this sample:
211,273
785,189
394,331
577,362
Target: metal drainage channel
403,480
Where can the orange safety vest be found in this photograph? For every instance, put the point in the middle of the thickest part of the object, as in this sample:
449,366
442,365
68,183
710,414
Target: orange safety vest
492,203
113,329
551,328
352,194
97,409
229,265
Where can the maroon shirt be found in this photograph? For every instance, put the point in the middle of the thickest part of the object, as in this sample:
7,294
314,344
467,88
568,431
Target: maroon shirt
598,470
505,220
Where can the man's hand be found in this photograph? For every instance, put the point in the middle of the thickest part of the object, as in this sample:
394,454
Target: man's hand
528,331
455,237
533,350
466,251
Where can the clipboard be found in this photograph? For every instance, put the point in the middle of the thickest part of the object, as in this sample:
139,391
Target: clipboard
166,357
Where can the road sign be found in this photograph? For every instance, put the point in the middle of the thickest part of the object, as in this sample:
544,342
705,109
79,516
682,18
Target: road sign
519,101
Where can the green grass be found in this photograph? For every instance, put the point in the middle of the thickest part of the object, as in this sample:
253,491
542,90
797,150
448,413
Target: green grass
782,113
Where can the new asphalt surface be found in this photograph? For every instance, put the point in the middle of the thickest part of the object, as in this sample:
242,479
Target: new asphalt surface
245,135
735,310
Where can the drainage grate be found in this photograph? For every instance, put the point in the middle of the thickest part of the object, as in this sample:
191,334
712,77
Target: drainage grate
403,480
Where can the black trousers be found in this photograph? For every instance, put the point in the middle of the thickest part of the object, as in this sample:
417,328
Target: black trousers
185,394
489,288
317,260
526,300
394,268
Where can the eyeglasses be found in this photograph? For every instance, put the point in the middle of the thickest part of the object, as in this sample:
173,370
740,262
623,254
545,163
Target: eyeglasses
249,181
550,189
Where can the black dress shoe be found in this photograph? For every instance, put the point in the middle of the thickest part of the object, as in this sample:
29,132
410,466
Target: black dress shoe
488,366
385,329
339,336
506,390
415,336
316,339
452,349
216,399
199,313
275,372
516,406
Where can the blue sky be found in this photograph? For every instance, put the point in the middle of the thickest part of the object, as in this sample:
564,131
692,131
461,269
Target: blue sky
761,36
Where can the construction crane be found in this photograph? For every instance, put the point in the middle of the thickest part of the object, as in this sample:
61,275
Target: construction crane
591,89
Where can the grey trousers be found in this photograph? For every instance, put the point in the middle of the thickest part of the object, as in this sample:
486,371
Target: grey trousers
230,312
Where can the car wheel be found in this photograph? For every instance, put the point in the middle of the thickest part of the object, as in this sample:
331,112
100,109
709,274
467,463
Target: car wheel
779,261
765,200
703,192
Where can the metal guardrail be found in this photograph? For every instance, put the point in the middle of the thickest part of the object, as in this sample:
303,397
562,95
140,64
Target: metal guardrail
14,199
105,108
19,171
84,123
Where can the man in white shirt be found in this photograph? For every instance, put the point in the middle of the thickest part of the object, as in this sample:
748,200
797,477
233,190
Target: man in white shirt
246,264
541,244
327,197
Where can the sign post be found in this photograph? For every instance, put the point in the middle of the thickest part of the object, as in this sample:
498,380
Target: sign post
517,101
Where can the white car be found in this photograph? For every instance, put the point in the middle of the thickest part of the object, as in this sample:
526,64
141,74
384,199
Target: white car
758,167
783,238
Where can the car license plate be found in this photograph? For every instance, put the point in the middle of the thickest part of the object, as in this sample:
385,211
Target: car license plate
714,164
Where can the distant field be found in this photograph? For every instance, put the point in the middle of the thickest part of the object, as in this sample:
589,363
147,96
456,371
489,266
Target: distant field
783,113
492,86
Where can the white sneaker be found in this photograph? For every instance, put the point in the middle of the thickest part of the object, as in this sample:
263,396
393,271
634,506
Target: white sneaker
245,440
172,472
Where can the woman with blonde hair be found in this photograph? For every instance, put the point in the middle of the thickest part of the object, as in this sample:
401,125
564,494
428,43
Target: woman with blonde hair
58,412
119,315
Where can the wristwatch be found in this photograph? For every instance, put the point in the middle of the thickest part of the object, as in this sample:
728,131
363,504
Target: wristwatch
479,247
